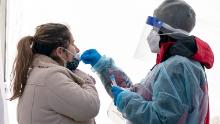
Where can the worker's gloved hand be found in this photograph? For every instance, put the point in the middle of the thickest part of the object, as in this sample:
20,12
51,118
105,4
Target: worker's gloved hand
115,92
90,56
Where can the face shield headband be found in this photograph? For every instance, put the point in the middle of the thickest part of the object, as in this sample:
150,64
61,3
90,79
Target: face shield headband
165,28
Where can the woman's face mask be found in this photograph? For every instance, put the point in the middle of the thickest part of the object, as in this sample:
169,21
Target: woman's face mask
72,65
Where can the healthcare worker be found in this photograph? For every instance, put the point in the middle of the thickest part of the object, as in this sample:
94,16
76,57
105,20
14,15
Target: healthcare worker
47,83
175,91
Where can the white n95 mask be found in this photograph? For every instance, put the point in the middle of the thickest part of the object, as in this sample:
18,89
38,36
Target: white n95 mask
153,40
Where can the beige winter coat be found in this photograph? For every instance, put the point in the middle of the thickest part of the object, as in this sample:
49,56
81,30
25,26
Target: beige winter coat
55,95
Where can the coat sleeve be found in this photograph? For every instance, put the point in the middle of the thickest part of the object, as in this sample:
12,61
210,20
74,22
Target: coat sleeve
174,86
110,74
66,97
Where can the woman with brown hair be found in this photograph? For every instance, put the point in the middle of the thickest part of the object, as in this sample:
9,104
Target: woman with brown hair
45,79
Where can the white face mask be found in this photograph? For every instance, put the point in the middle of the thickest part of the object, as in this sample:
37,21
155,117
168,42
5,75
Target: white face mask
153,41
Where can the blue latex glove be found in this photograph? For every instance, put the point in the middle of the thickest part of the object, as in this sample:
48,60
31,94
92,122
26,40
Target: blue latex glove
115,91
90,56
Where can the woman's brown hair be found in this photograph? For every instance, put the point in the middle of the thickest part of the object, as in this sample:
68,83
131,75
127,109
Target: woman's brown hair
47,38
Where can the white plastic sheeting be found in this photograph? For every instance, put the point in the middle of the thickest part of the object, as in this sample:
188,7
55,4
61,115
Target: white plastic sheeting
2,60
109,26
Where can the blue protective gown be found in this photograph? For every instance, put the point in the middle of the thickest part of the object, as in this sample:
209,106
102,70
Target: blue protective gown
174,92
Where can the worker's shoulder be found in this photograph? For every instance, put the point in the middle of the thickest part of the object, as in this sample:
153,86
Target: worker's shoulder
180,61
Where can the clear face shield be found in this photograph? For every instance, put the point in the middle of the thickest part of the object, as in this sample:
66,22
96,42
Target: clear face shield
150,37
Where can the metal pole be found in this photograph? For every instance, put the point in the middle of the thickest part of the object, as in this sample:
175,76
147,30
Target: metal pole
3,37
2,60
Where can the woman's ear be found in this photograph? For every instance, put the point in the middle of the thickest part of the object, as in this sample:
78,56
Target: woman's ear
57,55
58,51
